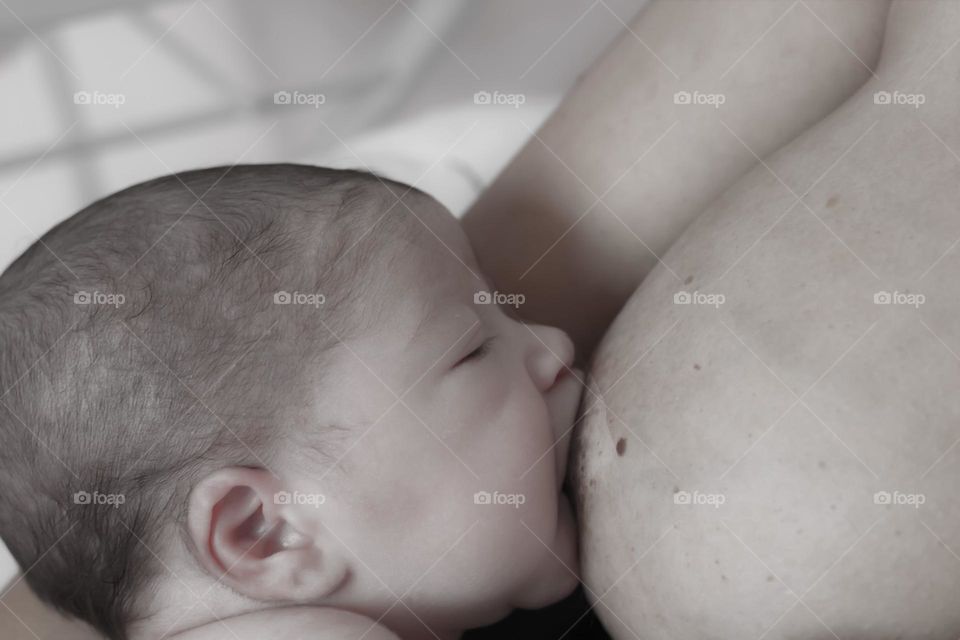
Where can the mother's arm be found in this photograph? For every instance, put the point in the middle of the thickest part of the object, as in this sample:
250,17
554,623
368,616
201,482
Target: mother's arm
583,212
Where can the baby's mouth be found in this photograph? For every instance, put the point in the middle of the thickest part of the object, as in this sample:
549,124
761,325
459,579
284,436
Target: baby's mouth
569,391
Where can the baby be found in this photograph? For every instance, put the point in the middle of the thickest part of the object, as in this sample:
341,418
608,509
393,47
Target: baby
279,401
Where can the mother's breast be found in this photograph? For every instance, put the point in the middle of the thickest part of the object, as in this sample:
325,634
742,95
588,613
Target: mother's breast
735,439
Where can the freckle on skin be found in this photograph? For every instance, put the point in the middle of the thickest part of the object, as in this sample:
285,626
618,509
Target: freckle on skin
696,366
832,201
688,280
621,446
822,464
770,578
723,577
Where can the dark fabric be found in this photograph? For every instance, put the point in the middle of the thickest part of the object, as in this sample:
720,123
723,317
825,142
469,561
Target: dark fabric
550,623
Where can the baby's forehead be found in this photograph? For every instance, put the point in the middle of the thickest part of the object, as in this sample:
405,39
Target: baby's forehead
438,231
434,250
429,296
433,292
424,274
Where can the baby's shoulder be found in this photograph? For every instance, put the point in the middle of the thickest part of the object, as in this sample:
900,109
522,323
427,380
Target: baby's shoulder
294,623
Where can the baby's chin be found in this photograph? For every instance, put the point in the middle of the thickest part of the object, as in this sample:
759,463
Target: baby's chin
560,573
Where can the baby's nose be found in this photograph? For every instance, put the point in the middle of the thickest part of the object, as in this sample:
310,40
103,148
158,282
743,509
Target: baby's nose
551,355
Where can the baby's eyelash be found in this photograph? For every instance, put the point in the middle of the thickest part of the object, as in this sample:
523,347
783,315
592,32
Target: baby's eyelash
479,352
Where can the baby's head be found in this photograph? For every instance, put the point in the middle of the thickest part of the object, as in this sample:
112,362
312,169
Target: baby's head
231,390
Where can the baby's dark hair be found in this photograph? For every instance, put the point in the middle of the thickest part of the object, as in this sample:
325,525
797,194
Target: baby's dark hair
144,342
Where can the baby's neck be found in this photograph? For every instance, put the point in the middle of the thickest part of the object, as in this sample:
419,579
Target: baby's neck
310,623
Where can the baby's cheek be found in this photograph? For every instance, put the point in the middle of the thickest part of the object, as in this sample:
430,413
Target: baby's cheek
509,439
525,425
482,397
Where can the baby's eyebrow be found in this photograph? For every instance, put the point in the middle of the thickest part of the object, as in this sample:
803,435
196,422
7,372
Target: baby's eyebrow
422,326
453,331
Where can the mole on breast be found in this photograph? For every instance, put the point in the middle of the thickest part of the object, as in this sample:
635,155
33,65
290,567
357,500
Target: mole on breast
621,446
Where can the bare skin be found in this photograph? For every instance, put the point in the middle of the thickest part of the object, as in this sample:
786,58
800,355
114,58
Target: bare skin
294,622
782,464
781,67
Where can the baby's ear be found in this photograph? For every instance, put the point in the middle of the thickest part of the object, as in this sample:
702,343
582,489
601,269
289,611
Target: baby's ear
248,535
